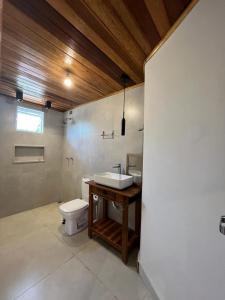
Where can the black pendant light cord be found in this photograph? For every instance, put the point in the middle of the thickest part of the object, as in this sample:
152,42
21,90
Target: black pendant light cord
125,79
124,87
123,122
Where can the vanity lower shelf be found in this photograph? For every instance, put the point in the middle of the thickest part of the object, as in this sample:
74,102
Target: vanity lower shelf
119,236
111,231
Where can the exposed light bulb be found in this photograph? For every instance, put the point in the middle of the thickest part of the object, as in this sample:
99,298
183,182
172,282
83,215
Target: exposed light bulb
68,60
68,82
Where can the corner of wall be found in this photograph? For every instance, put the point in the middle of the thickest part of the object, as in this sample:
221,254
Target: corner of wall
148,283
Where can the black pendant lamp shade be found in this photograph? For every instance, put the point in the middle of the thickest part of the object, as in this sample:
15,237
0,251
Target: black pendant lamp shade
123,126
125,79
123,121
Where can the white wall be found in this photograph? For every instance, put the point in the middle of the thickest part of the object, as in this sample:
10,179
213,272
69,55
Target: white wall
84,143
25,186
182,251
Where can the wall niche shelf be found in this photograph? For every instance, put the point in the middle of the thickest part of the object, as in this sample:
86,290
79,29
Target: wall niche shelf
28,154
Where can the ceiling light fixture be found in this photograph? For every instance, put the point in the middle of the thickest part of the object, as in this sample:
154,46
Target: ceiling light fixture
19,96
48,104
68,81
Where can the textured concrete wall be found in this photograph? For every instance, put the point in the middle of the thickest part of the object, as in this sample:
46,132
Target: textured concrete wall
24,186
84,143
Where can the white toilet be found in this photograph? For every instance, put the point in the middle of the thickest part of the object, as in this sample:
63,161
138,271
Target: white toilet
75,212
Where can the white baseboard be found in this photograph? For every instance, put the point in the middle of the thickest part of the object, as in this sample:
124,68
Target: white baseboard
147,283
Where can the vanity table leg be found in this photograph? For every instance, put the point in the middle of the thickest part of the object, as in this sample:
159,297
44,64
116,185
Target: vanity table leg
138,216
125,232
105,208
90,214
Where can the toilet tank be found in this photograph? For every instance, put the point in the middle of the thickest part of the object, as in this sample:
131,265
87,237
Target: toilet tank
85,188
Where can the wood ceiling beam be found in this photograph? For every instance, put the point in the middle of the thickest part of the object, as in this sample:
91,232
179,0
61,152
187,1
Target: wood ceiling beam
100,38
158,12
9,88
52,72
41,12
175,8
34,39
24,79
118,34
23,76
88,78
78,14
48,76
131,24
144,19
12,42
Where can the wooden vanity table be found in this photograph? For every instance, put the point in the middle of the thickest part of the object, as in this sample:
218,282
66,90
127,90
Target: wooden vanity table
119,236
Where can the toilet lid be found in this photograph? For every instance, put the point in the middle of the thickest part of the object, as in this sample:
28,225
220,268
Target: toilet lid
73,205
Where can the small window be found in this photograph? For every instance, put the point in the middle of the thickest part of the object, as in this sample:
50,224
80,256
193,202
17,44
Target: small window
30,120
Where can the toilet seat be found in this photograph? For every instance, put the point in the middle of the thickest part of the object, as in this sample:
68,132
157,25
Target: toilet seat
73,206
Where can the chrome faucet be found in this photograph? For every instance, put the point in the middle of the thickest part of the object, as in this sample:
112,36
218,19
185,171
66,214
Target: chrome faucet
118,166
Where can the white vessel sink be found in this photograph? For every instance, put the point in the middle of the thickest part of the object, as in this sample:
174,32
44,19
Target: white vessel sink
114,180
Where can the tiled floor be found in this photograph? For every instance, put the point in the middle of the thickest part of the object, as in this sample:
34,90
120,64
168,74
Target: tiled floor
39,262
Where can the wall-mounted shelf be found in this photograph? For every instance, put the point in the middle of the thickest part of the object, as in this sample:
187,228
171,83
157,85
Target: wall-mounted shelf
28,154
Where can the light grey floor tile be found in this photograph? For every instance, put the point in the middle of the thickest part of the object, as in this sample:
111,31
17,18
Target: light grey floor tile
50,217
148,296
37,262
47,215
17,226
71,281
74,243
26,261
120,279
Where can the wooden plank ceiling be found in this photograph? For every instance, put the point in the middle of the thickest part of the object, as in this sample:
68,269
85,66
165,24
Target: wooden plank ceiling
94,40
